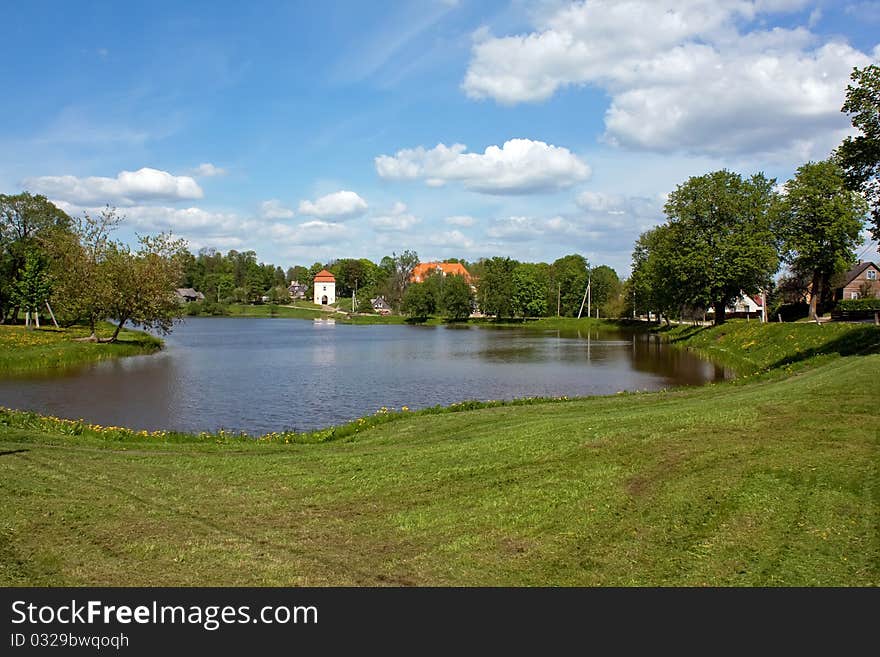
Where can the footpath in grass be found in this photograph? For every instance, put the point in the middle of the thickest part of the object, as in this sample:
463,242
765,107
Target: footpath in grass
47,350
772,482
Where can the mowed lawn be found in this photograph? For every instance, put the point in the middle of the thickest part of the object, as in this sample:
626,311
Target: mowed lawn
775,481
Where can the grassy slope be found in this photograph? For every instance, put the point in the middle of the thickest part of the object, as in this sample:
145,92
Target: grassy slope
25,352
776,481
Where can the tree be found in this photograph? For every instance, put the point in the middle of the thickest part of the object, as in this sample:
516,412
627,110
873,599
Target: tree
456,298
32,289
605,287
569,282
419,301
723,244
495,287
859,156
819,221
141,285
530,290
82,291
28,224
652,286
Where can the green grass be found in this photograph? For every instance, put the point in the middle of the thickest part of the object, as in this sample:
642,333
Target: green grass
49,349
775,481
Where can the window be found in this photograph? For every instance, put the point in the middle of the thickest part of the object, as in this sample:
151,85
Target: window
871,275
853,295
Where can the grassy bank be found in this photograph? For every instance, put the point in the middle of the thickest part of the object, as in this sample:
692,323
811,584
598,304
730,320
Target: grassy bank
47,349
775,481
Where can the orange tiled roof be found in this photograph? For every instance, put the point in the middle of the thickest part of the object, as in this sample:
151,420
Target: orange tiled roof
425,269
324,276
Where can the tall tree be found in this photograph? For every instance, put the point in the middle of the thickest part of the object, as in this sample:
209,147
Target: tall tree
141,285
859,156
819,222
82,291
605,287
721,227
495,287
32,289
456,298
530,283
27,224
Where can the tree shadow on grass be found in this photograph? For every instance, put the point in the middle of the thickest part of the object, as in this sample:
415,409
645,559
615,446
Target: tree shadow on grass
858,342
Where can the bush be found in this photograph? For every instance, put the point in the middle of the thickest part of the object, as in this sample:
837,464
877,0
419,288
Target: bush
859,304
194,309
790,312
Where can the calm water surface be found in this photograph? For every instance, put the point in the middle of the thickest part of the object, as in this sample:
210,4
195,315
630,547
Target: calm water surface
259,375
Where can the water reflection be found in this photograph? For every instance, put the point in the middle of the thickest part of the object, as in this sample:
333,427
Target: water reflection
262,375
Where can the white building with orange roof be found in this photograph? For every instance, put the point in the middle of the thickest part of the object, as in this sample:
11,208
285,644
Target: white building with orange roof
325,288
424,269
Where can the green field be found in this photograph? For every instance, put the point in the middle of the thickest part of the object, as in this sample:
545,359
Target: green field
770,480
49,349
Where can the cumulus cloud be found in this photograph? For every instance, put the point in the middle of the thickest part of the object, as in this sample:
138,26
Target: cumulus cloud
519,166
460,220
127,188
208,170
338,205
682,75
452,239
396,220
275,209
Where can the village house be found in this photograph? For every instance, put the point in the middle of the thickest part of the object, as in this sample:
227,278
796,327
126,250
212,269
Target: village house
297,290
861,281
188,295
381,306
325,288
745,306
422,270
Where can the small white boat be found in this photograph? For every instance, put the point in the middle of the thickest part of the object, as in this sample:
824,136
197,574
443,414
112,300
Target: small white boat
322,320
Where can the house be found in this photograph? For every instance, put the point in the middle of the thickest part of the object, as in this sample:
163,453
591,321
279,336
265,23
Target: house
863,280
745,306
297,290
381,306
422,270
188,295
325,288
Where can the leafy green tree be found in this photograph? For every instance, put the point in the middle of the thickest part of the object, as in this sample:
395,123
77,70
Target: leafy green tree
141,284
819,221
33,287
605,288
859,156
569,282
652,287
530,290
456,298
82,291
495,287
723,243
27,224
419,301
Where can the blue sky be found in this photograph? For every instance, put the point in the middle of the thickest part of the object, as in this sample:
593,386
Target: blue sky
311,131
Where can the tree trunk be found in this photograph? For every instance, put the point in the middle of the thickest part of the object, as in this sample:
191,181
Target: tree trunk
118,328
814,297
720,310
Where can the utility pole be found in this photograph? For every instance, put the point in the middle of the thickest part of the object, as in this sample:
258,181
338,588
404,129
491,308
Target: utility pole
586,293
558,297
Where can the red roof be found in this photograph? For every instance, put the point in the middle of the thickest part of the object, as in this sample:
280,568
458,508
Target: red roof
324,276
425,269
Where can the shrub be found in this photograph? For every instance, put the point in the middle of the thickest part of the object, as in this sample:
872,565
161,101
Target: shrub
859,304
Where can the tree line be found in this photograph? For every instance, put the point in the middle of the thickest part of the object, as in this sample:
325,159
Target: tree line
726,234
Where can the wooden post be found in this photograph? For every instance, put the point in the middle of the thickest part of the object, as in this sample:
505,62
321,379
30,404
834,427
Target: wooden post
877,319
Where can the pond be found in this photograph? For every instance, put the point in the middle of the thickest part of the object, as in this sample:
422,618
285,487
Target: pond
260,375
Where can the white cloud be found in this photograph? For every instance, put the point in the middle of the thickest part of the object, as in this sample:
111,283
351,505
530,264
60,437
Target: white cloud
396,220
460,220
127,188
275,209
519,166
338,205
208,170
682,75
452,239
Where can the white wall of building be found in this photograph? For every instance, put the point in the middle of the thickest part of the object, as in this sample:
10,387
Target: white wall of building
325,289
